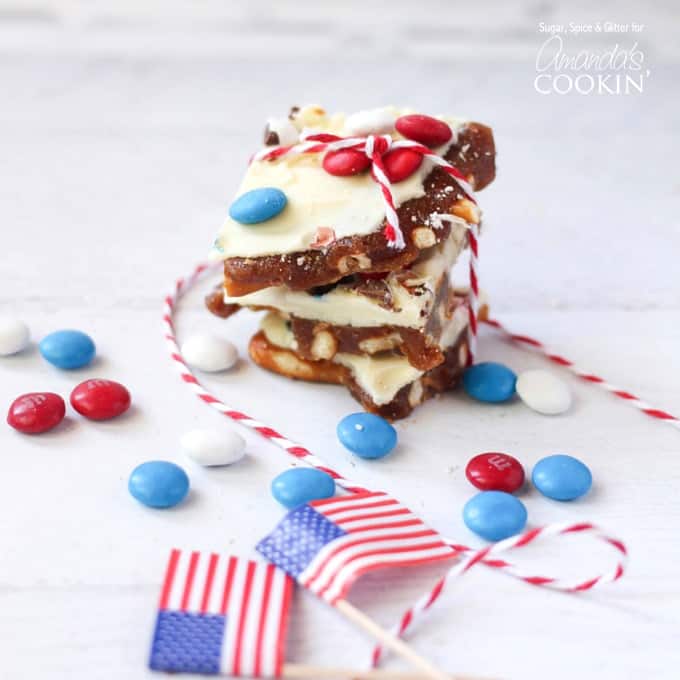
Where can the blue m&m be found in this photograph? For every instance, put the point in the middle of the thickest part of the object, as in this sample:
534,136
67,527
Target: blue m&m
158,484
300,485
67,349
490,382
495,515
367,435
562,478
258,205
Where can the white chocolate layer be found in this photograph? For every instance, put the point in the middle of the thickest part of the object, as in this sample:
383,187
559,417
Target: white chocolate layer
348,205
343,306
380,376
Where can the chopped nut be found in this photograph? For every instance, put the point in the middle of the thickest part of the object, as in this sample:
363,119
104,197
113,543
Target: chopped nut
423,237
415,394
466,209
462,354
380,344
324,345
353,263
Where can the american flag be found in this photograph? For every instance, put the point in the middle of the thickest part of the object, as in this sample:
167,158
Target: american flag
221,614
327,544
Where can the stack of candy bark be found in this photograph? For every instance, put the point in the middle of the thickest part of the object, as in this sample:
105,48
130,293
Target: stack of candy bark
349,299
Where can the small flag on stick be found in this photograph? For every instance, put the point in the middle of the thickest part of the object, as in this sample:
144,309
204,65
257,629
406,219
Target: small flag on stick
221,614
325,545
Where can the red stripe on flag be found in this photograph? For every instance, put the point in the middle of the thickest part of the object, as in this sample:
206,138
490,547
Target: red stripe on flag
388,525
242,619
212,565
188,584
169,578
374,515
360,506
228,583
264,606
343,499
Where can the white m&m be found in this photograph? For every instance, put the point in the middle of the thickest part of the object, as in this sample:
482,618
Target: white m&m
14,335
543,392
209,353
211,448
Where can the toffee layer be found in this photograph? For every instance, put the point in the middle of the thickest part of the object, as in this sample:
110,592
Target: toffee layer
473,154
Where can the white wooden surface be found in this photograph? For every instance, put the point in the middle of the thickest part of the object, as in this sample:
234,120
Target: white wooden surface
123,131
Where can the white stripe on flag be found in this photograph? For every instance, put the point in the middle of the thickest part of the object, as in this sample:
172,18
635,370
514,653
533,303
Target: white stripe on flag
177,590
348,557
346,574
252,621
348,513
194,604
217,591
272,624
233,614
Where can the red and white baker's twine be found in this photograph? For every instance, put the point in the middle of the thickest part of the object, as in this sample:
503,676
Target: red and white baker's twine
375,147
591,378
488,557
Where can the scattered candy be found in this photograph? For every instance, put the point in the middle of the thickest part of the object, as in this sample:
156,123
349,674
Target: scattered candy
14,335
367,435
258,205
210,447
280,131
36,412
490,382
424,129
158,484
495,515
371,122
209,353
67,349
562,478
495,472
301,485
543,391
345,162
401,163
99,399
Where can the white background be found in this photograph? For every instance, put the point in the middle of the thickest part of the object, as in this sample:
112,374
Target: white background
124,129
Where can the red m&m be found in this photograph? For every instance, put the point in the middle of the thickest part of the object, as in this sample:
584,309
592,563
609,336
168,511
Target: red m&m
401,163
98,399
424,129
36,412
345,162
495,472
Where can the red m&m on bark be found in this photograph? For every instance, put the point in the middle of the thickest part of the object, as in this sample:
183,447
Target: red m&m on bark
424,129
36,412
401,163
98,399
345,162
495,472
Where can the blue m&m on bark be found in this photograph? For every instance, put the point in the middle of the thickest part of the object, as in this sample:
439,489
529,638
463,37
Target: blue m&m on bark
258,205
490,382
367,435
495,515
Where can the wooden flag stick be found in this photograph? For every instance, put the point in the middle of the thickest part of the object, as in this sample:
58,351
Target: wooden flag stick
300,672
388,640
